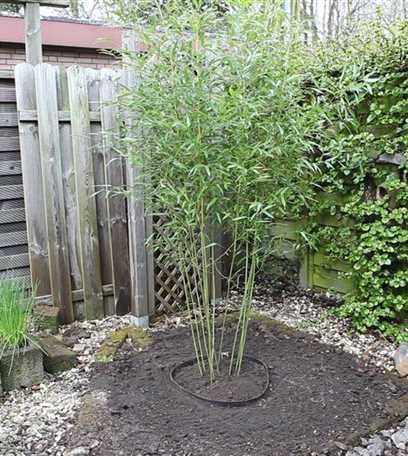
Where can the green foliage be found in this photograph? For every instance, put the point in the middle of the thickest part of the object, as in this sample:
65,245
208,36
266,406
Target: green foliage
157,11
242,125
363,84
15,316
226,133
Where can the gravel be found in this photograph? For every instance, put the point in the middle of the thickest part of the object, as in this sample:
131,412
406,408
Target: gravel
34,421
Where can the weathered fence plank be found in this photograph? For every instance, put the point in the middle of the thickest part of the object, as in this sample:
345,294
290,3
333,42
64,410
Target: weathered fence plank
50,151
94,82
85,189
11,191
33,190
113,166
68,179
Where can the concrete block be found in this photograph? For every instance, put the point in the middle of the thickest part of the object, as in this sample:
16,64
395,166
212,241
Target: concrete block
24,368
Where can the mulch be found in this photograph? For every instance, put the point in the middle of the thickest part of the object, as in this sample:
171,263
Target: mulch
320,400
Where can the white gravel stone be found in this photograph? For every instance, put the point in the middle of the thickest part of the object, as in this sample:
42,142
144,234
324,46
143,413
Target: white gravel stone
79,451
400,438
33,421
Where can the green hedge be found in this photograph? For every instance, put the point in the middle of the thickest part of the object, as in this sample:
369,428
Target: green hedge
362,82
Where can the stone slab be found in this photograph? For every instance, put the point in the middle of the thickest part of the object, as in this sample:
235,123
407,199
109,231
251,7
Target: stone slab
57,356
401,359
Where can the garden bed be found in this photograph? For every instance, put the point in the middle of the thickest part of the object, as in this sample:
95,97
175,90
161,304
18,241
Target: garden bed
320,399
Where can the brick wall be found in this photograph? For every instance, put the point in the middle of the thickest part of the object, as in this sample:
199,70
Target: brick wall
12,54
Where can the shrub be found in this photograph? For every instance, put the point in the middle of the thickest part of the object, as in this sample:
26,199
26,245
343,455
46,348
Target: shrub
226,135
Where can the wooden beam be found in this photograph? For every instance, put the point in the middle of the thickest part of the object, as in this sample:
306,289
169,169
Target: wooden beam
63,116
77,295
52,3
33,43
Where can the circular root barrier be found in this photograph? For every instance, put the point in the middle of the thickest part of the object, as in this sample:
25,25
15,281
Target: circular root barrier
184,379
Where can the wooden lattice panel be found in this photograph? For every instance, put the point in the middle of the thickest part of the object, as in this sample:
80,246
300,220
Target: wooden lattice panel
169,288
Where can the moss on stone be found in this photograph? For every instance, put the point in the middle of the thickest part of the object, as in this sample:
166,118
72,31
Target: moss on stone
110,346
139,337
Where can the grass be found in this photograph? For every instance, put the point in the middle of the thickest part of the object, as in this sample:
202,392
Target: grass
15,316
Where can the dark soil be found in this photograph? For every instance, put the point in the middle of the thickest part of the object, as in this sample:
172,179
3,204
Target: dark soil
250,384
319,398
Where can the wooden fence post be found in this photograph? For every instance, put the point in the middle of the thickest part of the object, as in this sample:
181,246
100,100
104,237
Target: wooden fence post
141,262
33,41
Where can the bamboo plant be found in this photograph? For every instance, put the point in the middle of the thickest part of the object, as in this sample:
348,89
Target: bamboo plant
225,137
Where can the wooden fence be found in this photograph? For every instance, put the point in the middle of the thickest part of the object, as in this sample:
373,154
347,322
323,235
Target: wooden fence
317,270
77,228
84,240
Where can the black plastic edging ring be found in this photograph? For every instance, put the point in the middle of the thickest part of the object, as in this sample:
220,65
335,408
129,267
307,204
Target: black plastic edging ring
232,403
